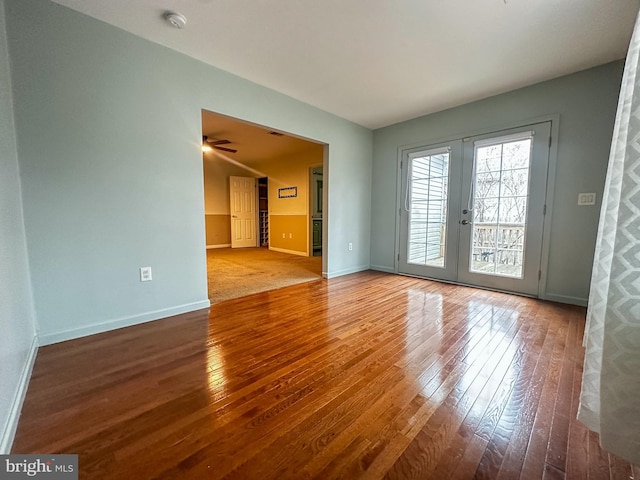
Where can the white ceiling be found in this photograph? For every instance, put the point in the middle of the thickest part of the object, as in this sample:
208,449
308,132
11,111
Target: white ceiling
378,62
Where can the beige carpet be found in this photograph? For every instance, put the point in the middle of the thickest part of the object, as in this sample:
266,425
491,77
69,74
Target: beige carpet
237,272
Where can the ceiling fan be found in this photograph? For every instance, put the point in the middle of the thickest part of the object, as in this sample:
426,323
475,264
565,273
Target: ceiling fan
206,141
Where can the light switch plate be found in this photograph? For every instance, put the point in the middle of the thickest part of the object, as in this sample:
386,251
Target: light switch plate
145,274
586,199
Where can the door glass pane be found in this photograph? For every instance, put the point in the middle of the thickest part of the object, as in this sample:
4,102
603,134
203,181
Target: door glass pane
500,197
427,187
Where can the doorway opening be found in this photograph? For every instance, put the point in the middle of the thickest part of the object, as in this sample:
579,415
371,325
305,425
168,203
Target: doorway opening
257,206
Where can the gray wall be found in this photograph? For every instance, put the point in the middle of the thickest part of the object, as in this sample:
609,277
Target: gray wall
17,323
108,130
586,103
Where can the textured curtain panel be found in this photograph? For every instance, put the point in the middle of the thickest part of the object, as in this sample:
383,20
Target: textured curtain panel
610,397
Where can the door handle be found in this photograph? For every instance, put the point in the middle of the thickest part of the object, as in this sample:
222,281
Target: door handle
465,222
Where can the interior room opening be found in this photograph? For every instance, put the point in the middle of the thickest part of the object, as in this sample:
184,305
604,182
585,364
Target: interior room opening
263,197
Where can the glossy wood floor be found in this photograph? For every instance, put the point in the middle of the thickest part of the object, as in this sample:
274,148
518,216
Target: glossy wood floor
364,376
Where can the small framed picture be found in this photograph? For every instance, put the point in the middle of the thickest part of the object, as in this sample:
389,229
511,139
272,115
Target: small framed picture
288,192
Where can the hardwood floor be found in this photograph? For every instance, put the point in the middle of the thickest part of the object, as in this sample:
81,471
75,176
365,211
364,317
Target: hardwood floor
365,376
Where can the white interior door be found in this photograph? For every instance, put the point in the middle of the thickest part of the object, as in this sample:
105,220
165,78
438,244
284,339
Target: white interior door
242,198
473,209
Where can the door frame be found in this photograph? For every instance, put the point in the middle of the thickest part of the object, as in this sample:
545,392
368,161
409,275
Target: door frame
310,211
403,150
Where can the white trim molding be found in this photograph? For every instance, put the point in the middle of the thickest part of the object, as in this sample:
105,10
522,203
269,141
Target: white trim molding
582,302
347,271
382,268
291,252
9,433
114,324
222,245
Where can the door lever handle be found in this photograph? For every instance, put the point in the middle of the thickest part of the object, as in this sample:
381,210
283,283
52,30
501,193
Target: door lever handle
465,222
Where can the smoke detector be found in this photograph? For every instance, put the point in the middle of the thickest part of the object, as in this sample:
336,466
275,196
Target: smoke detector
175,19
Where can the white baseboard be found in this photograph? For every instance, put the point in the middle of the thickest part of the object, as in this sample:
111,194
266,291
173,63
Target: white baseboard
345,271
121,322
6,440
290,252
382,268
222,245
565,299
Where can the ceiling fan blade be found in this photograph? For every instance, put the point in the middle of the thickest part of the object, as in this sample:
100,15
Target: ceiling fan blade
219,142
225,149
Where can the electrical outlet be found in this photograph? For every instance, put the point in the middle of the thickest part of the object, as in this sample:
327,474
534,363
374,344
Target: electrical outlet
291,235
145,274
283,235
350,246
586,199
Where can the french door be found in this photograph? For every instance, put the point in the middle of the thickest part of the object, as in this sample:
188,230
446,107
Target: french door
473,209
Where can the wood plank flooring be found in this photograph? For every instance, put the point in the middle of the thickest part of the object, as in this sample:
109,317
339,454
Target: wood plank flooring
365,376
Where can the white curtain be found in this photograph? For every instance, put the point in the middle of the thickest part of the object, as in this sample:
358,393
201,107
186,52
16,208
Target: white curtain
610,397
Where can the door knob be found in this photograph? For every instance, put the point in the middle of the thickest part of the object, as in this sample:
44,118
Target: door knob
465,222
